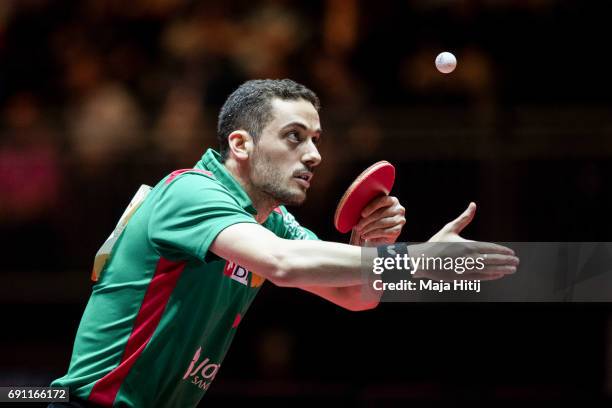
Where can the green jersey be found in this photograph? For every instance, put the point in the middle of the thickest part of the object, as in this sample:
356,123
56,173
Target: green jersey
165,310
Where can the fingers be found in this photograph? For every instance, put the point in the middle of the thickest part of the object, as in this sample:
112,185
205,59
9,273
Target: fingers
489,273
380,202
495,263
365,223
499,259
459,223
497,269
387,212
385,223
396,222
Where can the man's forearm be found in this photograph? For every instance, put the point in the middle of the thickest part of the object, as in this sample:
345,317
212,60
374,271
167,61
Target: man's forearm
321,263
288,262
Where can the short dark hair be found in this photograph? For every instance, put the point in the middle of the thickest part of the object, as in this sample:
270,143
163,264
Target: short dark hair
249,107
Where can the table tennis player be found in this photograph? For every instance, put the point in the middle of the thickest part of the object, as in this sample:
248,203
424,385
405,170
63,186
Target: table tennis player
192,258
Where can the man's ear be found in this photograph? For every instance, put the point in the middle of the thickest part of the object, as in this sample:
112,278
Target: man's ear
240,144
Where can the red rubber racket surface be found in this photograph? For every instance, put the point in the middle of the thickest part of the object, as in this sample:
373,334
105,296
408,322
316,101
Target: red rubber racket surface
374,181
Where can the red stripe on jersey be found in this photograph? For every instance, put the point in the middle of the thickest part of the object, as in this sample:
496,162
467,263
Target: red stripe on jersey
229,268
153,305
278,210
176,173
237,320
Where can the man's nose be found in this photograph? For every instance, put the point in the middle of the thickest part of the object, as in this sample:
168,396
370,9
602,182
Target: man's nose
312,157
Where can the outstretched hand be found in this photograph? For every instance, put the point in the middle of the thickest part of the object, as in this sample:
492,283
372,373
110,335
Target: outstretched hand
498,260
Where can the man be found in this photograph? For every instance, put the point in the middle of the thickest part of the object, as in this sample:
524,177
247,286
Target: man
194,255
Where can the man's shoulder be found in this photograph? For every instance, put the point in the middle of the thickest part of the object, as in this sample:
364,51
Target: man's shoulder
189,181
193,175
193,185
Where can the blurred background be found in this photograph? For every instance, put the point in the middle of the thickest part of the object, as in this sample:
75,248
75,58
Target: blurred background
100,96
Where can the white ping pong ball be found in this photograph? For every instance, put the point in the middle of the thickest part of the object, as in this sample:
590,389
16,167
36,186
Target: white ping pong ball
446,62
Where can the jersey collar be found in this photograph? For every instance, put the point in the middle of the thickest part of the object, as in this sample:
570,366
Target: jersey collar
211,161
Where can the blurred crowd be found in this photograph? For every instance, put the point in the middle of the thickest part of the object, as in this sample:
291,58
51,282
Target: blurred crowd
98,96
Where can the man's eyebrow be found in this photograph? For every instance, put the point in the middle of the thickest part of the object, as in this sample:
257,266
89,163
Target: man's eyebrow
300,125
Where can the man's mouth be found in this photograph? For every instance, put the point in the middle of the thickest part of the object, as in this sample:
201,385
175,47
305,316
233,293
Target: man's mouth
304,178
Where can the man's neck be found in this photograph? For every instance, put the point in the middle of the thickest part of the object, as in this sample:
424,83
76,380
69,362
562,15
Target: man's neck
262,202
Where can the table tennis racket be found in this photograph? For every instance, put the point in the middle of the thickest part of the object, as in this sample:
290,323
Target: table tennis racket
375,181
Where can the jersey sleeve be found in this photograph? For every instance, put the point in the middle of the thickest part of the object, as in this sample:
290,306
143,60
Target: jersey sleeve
189,214
289,228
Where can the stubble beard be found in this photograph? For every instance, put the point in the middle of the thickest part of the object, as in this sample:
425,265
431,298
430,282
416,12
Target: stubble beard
268,180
